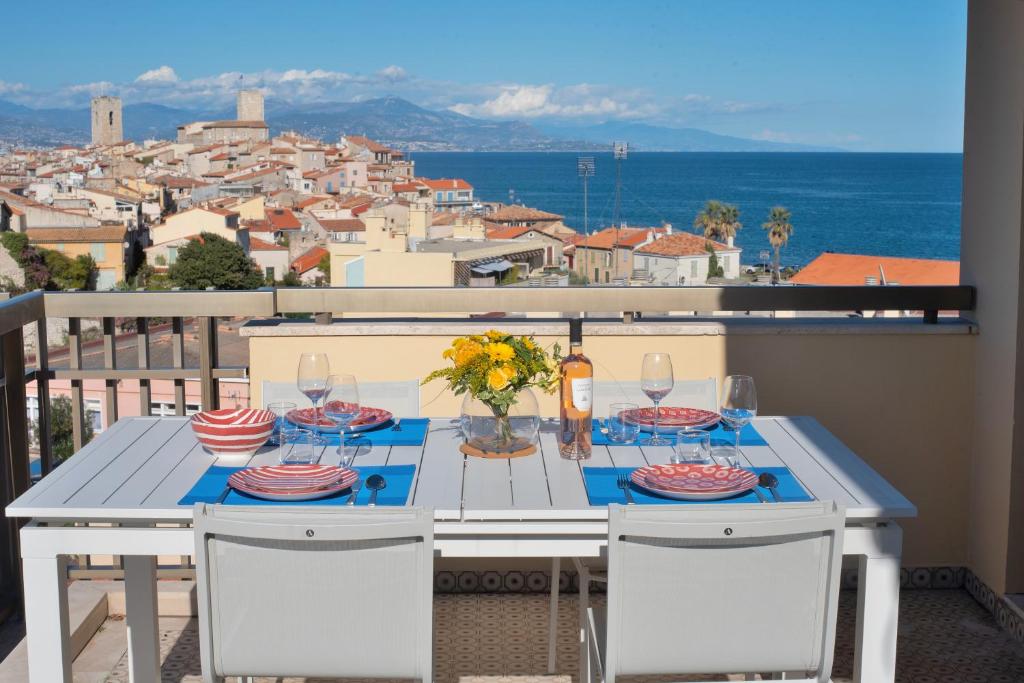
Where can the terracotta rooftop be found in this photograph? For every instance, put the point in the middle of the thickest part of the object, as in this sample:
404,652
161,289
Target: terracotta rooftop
626,238
104,233
362,141
508,232
282,219
446,183
508,214
315,199
342,224
309,260
851,269
682,244
256,244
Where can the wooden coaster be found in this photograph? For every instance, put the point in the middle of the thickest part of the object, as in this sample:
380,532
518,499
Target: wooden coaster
477,453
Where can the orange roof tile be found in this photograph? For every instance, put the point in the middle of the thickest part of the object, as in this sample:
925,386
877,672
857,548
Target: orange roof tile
508,232
682,244
507,214
617,237
282,219
256,244
309,260
446,183
851,269
342,224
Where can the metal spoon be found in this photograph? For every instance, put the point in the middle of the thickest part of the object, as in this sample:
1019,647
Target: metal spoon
375,483
770,482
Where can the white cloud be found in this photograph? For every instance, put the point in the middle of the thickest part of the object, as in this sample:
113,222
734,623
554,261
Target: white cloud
532,101
393,73
163,74
12,88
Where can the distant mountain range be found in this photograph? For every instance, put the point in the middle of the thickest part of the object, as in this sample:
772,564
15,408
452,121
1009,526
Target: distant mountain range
391,120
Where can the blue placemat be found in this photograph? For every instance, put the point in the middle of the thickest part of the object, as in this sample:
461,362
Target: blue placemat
720,436
211,485
412,432
601,488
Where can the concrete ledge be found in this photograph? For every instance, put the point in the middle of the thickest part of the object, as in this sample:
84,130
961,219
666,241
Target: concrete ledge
174,598
87,610
730,325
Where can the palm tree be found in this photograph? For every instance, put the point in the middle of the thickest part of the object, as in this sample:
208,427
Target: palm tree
709,219
779,229
729,222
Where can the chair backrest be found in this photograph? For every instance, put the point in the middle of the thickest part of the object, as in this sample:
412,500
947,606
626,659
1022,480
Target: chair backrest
401,398
714,589
314,592
697,393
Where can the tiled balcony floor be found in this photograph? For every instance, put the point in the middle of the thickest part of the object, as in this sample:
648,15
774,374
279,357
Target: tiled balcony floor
945,636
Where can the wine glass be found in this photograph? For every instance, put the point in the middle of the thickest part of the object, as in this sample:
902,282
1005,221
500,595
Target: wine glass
342,409
656,380
739,405
313,379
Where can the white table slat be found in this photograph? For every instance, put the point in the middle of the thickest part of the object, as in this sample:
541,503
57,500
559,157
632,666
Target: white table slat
816,479
530,483
439,484
487,484
564,481
627,456
112,448
138,470
867,485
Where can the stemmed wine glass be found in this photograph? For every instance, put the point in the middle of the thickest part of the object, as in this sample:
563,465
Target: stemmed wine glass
313,379
342,409
739,406
656,380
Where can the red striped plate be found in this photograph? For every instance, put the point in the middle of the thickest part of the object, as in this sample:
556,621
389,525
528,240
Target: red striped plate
368,418
293,482
672,418
694,482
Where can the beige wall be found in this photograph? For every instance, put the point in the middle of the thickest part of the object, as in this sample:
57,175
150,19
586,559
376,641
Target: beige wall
901,401
408,269
992,214
190,223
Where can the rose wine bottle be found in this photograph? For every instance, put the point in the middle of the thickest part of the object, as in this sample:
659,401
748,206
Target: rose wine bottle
577,397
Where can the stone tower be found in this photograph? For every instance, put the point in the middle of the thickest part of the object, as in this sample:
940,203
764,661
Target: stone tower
106,120
250,105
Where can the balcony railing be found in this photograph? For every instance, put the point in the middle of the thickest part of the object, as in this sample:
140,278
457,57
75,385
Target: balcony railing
204,308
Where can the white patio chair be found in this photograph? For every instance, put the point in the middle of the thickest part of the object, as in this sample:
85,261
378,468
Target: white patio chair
314,592
719,589
401,398
698,393
691,393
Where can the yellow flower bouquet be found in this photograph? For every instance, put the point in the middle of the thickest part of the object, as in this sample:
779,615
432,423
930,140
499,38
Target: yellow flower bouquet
494,368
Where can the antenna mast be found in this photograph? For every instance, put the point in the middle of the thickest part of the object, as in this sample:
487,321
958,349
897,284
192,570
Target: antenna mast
619,151
585,169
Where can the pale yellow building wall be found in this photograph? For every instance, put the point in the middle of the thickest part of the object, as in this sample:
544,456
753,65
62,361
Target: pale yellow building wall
902,402
251,210
188,223
342,253
408,269
112,251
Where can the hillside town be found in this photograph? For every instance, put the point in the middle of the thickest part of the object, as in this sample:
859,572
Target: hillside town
350,212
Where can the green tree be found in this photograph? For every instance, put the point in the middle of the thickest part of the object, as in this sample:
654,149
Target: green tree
718,221
715,269
325,267
69,273
779,230
709,220
212,261
62,435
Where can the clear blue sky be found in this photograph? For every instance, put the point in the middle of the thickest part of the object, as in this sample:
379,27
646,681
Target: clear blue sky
865,75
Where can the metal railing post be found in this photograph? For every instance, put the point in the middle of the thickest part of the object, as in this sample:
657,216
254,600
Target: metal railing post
43,397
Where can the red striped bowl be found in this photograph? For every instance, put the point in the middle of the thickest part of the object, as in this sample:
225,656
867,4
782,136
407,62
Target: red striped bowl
233,431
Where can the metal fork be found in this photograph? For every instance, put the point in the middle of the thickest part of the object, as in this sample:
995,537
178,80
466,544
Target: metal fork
622,481
355,492
398,425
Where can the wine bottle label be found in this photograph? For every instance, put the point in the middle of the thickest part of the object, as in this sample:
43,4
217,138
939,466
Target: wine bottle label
583,394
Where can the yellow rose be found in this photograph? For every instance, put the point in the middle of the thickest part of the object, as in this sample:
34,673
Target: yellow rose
467,352
499,352
496,379
510,372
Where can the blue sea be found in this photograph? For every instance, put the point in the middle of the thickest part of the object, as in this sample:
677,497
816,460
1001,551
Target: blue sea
881,204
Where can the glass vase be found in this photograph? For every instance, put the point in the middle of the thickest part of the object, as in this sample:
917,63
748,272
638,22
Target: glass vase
487,430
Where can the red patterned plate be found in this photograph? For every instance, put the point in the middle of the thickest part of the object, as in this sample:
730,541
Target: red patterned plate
293,477
293,482
694,482
368,418
672,419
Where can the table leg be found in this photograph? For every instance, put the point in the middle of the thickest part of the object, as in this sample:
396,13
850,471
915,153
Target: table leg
556,571
878,598
141,618
46,620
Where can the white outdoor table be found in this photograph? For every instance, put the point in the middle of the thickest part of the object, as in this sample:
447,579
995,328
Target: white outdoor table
134,474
